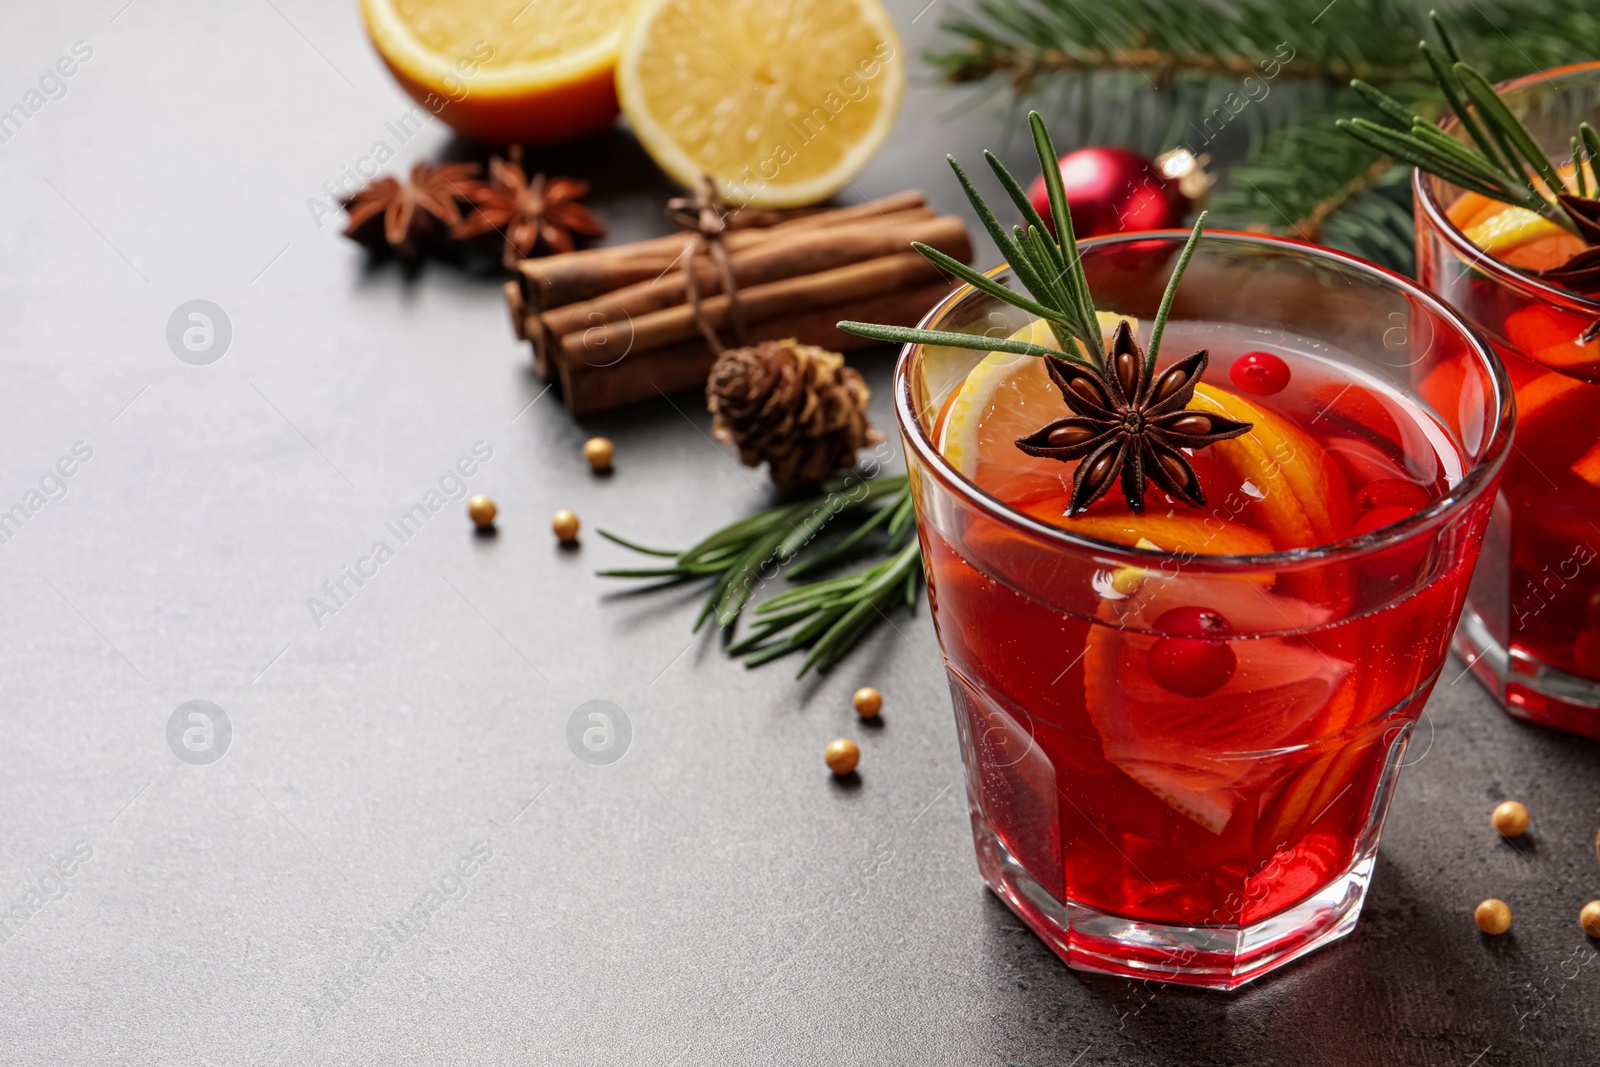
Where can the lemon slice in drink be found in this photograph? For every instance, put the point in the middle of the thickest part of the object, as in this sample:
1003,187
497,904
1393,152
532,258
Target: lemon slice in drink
1508,229
782,103
1003,398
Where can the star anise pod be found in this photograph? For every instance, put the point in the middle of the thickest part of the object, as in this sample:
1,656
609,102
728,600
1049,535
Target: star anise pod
1127,420
529,211
1580,273
405,215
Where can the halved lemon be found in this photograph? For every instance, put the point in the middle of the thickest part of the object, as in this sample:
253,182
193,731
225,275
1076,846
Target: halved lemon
782,103
527,71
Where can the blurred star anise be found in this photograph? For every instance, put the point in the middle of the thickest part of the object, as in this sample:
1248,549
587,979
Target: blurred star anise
527,211
1128,420
405,215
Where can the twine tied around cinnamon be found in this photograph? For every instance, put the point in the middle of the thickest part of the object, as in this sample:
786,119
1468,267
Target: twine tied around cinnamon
705,214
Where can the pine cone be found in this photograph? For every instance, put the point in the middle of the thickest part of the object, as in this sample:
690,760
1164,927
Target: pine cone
798,407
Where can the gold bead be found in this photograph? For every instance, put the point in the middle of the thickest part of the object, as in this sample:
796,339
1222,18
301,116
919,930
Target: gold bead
482,510
842,756
1589,918
565,524
1511,819
599,452
868,702
1493,916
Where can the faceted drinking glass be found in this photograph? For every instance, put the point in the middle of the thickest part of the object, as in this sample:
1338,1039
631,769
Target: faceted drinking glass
1531,629
1205,840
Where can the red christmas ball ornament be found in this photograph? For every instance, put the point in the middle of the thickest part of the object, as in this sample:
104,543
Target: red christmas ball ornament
1113,190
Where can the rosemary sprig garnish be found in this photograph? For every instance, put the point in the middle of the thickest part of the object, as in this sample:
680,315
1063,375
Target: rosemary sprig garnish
1501,162
824,617
1126,422
1047,265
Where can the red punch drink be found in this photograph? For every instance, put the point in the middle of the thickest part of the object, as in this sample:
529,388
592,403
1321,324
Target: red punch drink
1532,626
1182,726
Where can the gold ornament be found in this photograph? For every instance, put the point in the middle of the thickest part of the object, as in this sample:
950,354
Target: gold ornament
1589,918
842,756
483,511
599,452
565,525
1511,819
1493,916
868,702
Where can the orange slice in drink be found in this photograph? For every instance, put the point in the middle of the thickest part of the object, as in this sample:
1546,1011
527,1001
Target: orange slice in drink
1515,235
1290,486
1180,533
1293,485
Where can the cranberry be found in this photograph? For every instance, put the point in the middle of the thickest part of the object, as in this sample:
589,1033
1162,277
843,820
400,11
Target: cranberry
1403,559
1392,493
1192,661
1261,373
1586,651
1378,518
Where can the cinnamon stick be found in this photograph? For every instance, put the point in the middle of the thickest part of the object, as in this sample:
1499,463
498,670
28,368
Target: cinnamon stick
787,297
551,281
804,251
588,388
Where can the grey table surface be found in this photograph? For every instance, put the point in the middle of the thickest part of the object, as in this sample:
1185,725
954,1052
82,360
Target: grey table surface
399,859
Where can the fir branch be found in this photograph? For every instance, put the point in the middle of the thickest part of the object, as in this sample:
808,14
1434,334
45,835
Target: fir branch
1167,40
1097,63
1312,182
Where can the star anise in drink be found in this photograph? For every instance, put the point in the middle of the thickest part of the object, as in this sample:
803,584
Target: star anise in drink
407,215
529,211
1128,420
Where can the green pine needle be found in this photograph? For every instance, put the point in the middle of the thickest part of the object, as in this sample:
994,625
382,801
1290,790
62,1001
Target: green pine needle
1503,158
1050,267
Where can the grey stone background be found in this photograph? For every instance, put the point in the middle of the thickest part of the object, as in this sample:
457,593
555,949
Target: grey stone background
712,896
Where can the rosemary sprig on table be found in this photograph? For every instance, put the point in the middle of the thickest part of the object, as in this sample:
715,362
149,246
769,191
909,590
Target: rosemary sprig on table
1503,160
826,617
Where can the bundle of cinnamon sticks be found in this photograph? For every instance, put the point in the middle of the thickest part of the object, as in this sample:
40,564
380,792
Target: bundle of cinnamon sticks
613,326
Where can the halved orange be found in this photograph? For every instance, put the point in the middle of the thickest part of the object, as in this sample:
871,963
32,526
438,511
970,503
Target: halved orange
523,71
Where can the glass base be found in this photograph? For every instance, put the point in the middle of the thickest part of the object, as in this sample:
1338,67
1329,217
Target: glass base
1206,956
1526,687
